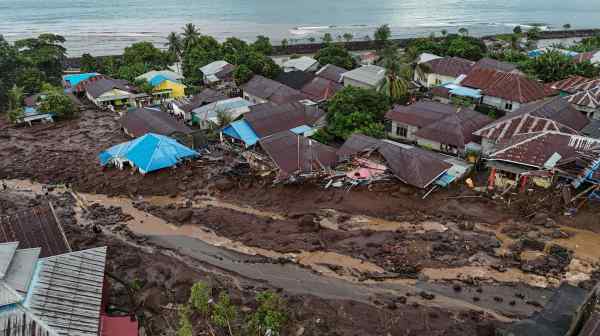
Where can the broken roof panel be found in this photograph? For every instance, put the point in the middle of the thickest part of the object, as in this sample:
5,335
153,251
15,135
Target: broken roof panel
296,154
358,143
7,251
21,270
331,72
36,227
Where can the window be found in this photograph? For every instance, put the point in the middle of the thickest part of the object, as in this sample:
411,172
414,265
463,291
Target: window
508,106
402,131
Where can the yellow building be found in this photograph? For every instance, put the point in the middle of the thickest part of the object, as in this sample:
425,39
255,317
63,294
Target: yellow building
166,84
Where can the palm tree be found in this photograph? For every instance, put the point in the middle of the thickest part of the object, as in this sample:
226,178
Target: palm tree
190,35
395,86
174,45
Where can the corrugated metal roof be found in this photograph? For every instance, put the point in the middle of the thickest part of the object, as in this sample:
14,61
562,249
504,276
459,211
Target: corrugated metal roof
66,293
18,321
7,251
21,269
369,74
241,130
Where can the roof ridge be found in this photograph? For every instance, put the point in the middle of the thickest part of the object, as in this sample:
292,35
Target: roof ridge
533,137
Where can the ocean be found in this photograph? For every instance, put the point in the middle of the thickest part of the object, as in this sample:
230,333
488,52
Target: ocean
106,27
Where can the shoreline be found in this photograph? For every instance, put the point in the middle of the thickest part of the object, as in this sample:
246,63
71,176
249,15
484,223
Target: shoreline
311,48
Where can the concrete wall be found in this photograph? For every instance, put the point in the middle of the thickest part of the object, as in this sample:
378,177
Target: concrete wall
432,79
253,99
436,146
352,82
500,103
487,146
410,134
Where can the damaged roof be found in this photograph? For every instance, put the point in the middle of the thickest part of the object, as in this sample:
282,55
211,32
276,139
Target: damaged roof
411,165
575,84
539,150
554,114
320,89
271,90
587,98
207,96
294,153
509,86
150,120
295,79
100,86
268,118
449,66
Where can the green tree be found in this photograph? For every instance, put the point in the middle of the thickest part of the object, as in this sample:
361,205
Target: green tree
382,35
465,48
395,86
185,325
284,44
327,38
262,45
242,74
175,47
130,72
463,31
200,297
59,103
45,53
444,32
144,86
348,37
355,109
31,80
270,317
312,39
567,26
534,33
10,65
224,313
110,66
191,35
553,66
88,63
336,55
147,54
517,30
15,97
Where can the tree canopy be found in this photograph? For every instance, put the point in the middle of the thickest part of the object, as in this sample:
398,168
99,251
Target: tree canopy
336,55
452,45
355,109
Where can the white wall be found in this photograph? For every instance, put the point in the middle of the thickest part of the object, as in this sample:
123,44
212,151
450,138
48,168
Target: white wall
431,79
500,103
352,82
410,133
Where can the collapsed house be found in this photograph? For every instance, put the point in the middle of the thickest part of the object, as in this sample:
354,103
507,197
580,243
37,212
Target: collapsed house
365,159
148,153
293,156
183,107
530,159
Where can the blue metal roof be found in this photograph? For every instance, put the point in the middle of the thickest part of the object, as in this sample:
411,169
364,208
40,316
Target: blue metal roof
77,78
157,80
149,153
241,130
462,91
301,129
445,179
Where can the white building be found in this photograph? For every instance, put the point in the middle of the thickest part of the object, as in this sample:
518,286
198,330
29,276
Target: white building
366,77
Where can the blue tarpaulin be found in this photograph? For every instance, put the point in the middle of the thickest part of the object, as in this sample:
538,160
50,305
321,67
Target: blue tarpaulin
241,130
157,80
301,129
445,180
77,78
148,153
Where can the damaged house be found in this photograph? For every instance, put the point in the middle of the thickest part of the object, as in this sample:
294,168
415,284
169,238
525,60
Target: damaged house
434,70
183,107
583,93
267,119
440,127
369,159
293,155
555,114
530,158
260,90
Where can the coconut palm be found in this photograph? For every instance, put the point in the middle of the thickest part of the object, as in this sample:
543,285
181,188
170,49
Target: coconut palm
191,35
174,47
395,86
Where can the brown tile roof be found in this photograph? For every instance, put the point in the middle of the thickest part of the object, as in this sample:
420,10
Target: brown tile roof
268,118
100,86
271,90
36,227
449,66
455,129
294,153
331,72
575,84
150,120
320,89
490,63
536,149
420,114
508,86
295,79
555,114
413,166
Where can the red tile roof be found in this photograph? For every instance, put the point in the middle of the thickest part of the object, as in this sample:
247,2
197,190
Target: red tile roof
509,86
449,66
588,98
536,149
555,114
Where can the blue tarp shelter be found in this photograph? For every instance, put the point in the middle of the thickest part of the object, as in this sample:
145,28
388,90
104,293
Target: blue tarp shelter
241,130
148,153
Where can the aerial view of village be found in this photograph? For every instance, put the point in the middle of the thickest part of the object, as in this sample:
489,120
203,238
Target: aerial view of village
329,180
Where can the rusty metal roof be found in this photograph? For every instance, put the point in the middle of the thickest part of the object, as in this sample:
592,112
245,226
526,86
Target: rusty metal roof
509,86
268,118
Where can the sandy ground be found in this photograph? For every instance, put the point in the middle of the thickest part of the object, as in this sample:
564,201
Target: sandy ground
385,240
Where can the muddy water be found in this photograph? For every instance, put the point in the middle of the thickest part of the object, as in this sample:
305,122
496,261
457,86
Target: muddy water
332,219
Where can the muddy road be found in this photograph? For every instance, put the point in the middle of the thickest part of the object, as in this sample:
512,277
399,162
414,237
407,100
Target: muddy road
454,258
